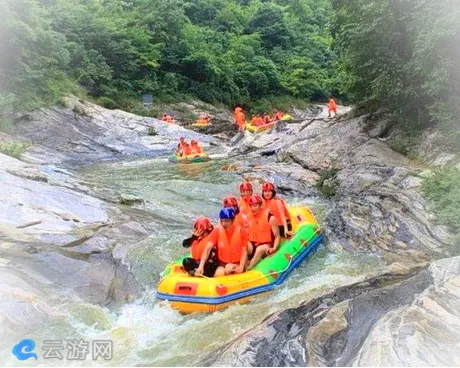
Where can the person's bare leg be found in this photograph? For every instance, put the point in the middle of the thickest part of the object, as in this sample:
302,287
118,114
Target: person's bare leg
219,272
261,250
230,268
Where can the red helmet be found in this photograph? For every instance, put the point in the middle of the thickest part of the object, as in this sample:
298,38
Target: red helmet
202,223
230,201
193,141
255,199
246,186
268,187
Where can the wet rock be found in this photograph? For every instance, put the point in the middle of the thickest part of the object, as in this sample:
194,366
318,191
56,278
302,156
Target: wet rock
329,330
129,200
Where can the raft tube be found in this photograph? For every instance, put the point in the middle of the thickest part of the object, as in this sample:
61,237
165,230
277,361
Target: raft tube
190,294
201,157
286,117
260,128
201,124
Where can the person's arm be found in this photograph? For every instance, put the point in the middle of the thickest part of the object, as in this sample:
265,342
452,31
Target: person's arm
243,260
204,257
276,234
283,210
244,254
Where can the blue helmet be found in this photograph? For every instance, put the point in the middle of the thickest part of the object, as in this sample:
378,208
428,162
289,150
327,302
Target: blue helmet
227,213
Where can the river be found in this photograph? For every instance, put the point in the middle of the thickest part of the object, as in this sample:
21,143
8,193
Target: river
149,332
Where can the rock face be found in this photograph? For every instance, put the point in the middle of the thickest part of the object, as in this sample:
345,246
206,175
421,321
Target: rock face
404,317
56,244
84,132
376,204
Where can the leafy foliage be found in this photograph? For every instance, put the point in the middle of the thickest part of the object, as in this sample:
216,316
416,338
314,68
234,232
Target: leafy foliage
403,54
443,192
227,51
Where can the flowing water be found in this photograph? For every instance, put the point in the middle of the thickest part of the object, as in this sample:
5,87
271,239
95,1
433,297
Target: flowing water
150,332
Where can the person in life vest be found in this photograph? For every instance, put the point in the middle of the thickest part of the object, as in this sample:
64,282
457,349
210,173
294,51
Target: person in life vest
180,145
231,241
264,232
277,115
168,119
332,107
240,119
203,119
198,242
195,147
246,192
259,120
278,208
185,150
241,219
254,120
267,119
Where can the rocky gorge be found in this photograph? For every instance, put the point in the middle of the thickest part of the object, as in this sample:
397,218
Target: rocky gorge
63,240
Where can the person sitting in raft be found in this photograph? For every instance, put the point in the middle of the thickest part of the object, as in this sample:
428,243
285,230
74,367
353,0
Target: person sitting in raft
185,150
277,115
198,242
180,145
254,120
259,120
232,246
267,119
278,208
264,232
240,218
195,147
246,192
167,118
203,119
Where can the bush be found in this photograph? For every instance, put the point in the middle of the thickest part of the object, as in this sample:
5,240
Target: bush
442,190
14,149
108,103
326,183
152,131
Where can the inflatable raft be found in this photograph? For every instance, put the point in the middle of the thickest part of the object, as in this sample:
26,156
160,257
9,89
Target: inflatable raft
191,294
201,157
260,128
201,124
286,117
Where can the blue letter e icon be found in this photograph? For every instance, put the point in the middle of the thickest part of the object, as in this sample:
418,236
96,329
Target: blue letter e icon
24,349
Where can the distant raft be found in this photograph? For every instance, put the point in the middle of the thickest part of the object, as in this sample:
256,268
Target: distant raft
190,294
189,159
260,128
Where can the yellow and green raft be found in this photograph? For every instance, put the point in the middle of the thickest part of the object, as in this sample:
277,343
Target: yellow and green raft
201,157
191,294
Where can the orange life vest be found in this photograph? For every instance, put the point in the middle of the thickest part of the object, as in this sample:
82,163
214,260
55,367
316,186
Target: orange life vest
277,208
186,150
240,119
332,104
230,248
198,247
196,149
244,207
242,220
260,230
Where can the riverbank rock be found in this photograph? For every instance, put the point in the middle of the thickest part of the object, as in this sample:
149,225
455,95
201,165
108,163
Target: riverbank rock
375,196
83,132
403,317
